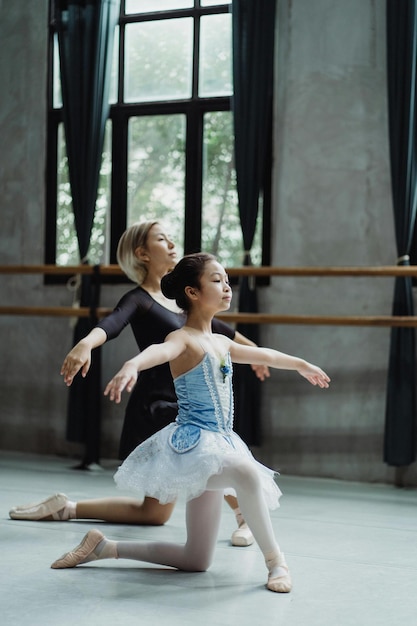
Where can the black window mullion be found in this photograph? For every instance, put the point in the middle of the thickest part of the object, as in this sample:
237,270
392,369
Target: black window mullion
193,152
196,56
52,124
193,181
121,64
118,212
51,189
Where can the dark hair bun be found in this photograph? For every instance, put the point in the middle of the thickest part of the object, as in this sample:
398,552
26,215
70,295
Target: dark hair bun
186,273
169,285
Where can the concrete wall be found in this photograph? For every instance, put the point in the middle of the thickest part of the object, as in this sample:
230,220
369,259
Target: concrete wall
332,206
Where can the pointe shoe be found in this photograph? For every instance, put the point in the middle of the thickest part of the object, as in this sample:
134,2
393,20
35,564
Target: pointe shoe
40,510
279,584
81,552
242,536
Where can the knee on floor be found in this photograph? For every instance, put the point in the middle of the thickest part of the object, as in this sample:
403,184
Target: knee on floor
199,563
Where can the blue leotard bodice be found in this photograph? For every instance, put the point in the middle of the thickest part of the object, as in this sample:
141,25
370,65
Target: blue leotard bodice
205,402
205,397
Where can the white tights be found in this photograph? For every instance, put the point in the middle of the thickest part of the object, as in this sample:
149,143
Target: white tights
203,519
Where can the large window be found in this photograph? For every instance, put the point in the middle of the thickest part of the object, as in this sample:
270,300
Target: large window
168,152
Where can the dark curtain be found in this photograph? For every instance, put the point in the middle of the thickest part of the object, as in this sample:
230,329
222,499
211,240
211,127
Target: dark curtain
400,420
84,400
85,37
253,63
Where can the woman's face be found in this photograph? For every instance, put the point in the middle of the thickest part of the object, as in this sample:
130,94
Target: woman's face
159,250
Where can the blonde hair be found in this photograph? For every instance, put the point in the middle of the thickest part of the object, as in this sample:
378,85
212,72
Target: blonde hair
133,238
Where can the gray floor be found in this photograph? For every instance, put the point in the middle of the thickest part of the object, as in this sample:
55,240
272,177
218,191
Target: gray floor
351,548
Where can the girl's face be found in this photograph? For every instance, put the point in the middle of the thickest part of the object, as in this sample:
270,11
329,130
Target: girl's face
215,291
159,250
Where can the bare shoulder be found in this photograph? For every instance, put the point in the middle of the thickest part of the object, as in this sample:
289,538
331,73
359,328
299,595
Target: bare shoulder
190,355
179,337
177,334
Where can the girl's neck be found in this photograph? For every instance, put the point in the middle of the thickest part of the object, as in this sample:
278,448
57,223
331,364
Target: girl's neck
199,323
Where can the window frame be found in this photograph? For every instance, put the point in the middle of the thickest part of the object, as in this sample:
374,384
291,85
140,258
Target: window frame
194,109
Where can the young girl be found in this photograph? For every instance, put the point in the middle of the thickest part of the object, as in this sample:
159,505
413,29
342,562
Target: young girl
198,456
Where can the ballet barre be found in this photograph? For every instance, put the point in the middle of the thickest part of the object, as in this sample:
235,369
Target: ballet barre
241,317
252,270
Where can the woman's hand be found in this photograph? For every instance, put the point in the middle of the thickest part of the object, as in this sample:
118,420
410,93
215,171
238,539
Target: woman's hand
79,358
261,371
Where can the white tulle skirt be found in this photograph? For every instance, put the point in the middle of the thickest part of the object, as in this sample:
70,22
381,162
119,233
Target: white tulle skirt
156,470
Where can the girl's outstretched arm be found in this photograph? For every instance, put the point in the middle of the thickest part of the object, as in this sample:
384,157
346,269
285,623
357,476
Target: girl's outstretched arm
279,360
313,374
154,355
260,371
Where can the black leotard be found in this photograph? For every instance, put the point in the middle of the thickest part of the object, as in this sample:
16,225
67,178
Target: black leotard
152,403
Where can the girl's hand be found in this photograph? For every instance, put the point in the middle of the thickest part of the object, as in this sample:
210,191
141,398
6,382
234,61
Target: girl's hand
314,375
124,379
